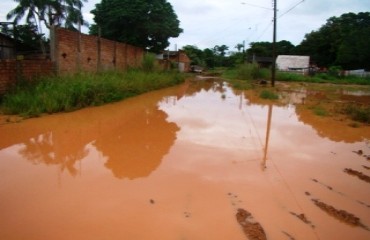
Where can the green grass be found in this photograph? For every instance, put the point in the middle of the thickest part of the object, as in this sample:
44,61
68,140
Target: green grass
320,111
357,112
322,78
266,94
68,93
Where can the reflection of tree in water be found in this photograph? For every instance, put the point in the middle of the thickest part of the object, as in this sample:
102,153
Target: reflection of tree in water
51,149
216,85
328,126
135,147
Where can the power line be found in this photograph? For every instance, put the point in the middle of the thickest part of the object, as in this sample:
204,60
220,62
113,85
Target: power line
290,9
257,6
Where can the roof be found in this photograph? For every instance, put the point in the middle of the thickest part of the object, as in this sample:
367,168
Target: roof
287,62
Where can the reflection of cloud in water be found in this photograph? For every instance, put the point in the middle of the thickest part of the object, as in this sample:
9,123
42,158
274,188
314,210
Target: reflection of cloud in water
207,119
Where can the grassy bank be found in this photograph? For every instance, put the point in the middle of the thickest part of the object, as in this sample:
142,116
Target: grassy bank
245,73
68,93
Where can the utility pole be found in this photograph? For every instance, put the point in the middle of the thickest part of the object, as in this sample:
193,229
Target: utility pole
273,69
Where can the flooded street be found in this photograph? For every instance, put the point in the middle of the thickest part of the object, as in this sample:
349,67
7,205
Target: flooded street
192,162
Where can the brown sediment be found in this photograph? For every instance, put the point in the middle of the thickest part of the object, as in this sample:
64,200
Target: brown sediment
366,167
327,186
358,174
341,215
252,229
288,235
187,214
359,152
303,218
364,204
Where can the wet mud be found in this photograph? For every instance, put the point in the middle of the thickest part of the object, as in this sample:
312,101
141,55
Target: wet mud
290,237
178,162
357,174
252,229
341,215
303,218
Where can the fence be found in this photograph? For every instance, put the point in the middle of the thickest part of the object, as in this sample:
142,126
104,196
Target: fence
70,52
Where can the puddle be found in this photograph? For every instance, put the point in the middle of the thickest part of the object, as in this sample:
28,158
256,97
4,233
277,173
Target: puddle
175,163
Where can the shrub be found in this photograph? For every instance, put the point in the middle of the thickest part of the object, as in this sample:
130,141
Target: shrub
149,63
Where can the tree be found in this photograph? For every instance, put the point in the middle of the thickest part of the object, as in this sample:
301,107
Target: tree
264,49
195,54
25,34
50,12
342,41
239,46
148,24
221,50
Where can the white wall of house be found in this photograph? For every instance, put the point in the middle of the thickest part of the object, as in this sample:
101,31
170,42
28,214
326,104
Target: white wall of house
289,62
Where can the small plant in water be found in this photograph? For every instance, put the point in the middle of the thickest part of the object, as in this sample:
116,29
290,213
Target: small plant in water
319,111
266,94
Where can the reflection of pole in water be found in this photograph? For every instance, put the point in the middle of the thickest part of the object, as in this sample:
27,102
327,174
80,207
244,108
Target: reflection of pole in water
241,101
263,164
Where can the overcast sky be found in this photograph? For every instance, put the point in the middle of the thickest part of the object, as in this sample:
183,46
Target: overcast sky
207,23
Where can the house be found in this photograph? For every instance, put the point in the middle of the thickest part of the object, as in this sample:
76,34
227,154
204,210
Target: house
293,63
178,58
263,62
12,49
7,47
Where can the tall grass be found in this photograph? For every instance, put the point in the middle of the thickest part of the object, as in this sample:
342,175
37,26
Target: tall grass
251,72
242,76
68,93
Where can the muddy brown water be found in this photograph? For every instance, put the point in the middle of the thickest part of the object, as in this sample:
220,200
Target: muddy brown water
182,163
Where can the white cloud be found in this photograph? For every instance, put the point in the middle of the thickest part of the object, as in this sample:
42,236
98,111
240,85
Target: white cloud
208,23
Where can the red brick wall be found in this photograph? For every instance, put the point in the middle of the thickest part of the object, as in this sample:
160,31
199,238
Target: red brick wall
12,69
74,52
80,52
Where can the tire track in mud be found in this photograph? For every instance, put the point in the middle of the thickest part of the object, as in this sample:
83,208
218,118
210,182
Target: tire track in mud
339,214
252,229
340,193
303,218
357,174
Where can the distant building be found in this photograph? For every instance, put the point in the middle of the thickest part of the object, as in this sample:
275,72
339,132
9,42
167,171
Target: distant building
293,63
178,58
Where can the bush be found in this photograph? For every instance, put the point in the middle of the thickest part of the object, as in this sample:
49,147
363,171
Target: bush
149,63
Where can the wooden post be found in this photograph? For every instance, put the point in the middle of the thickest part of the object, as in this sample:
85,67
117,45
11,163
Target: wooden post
273,68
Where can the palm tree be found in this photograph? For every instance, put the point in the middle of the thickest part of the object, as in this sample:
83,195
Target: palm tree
28,9
50,12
